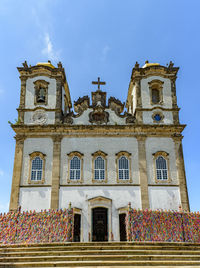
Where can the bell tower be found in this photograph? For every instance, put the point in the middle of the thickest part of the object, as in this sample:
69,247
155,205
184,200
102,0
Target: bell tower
152,94
45,96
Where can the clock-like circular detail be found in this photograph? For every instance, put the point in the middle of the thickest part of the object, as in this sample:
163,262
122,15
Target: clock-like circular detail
39,117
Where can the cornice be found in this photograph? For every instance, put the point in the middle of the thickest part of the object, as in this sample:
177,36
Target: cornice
98,130
154,70
38,108
158,107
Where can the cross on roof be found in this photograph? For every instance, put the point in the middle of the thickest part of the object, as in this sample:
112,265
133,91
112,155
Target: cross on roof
98,83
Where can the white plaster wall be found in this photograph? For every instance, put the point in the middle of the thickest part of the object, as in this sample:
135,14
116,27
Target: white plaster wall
164,198
28,118
43,145
120,195
109,145
147,117
63,99
30,92
145,92
154,145
134,98
113,118
37,198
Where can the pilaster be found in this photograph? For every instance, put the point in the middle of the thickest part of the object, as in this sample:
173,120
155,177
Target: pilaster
173,92
56,172
138,94
181,172
22,99
58,100
14,198
143,171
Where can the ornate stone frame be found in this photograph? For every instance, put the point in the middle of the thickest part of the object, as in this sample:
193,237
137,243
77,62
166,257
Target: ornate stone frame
104,156
43,157
161,115
166,156
100,201
70,156
38,84
128,156
156,84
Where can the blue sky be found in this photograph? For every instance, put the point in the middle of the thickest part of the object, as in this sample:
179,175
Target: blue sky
101,38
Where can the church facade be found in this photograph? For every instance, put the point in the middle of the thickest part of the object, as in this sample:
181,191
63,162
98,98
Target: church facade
95,156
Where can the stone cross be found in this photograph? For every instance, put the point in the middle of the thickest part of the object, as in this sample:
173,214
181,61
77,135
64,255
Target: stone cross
98,83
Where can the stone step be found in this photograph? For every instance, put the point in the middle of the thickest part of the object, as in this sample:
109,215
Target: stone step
69,244
102,252
102,263
100,258
105,247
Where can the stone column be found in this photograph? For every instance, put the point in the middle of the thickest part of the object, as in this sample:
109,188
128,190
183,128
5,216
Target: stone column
181,172
56,172
14,198
143,171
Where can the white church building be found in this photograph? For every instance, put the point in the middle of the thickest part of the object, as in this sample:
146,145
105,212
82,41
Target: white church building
99,155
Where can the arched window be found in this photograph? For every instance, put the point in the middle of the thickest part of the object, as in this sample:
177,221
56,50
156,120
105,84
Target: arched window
36,171
123,170
123,167
37,167
75,168
99,168
161,168
155,95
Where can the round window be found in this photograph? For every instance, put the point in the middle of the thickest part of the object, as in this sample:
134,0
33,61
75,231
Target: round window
157,117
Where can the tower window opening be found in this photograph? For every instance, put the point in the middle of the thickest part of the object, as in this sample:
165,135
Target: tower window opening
41,95
155,96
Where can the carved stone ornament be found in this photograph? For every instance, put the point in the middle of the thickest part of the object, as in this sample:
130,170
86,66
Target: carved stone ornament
130,119
98,97
68,118
39,117
81,104
115,105
99,115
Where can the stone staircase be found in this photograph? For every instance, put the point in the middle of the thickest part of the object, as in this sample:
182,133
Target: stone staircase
101,254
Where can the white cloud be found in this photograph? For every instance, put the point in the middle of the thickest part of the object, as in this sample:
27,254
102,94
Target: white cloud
4,207
1,173
105,51
49,50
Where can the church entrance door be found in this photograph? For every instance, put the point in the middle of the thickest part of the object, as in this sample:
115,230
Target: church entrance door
99,224
77,227
122,226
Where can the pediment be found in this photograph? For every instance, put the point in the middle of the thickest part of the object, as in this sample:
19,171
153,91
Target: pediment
100,199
